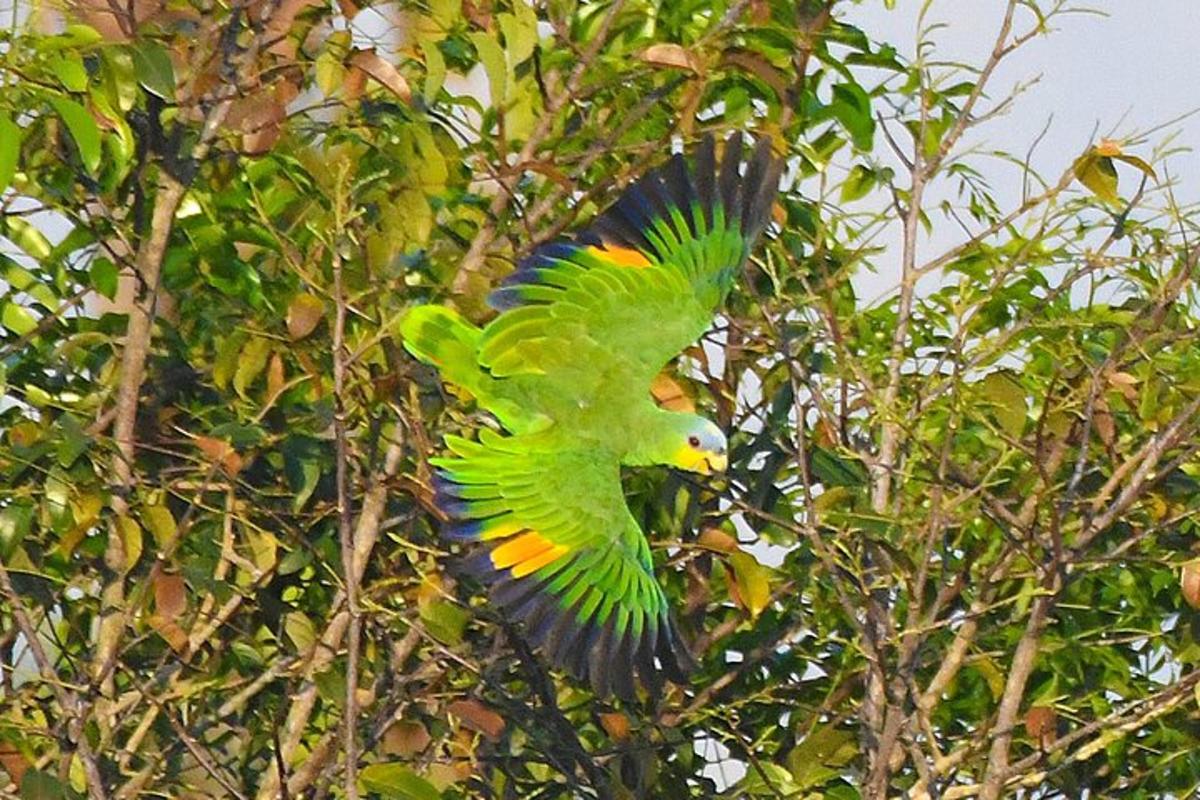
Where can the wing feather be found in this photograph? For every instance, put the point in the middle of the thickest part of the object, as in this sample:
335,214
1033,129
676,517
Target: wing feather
562,554
646,276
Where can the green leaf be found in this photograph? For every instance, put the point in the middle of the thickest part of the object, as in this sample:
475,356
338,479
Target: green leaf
120,78
445,621
154,70
858,183
833,470
1004,397
83,130
10,150
395,781
491,55
103,275
767,780
818,757
16,520
74,442
852,107
18,319
310,472
70,72
38,785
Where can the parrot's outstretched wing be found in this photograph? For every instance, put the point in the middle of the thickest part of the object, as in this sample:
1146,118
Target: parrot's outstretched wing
562,554
644,279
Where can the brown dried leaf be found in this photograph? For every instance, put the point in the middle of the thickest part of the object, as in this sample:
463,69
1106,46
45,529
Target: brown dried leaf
170,594
13,761
354,84
671,55
221,453
479,13
275,376
303,315
382,71
280,25
616,725
478,717
718,540
1041,723
668,394
170,631
1189,583
1102,421
406,738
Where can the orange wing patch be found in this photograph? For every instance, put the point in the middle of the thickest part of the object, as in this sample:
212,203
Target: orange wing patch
621,256
527,553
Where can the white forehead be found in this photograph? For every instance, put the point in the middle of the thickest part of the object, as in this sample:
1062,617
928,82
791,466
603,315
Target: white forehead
712,434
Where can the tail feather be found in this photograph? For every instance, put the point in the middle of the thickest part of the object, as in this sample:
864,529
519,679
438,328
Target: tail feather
442,338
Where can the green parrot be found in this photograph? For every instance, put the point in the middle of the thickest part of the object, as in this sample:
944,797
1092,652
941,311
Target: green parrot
586,324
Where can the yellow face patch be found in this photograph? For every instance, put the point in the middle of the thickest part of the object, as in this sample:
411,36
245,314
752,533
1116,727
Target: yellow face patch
704,462
621,256
526,553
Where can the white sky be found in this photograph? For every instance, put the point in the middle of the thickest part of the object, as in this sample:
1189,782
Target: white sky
1130,68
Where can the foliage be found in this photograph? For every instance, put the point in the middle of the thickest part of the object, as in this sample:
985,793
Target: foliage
944,560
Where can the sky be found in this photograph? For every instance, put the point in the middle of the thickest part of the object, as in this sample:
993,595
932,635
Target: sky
1126,67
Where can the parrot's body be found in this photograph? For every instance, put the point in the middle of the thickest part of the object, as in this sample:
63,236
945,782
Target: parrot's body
587,324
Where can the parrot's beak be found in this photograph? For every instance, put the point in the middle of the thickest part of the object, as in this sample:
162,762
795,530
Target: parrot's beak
717,462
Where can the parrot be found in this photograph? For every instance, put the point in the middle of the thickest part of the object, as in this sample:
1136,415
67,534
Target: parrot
586,322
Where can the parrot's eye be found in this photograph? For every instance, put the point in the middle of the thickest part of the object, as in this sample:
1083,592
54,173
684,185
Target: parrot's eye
694,441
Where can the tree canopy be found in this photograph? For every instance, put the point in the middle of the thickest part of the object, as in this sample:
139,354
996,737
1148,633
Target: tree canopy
953,553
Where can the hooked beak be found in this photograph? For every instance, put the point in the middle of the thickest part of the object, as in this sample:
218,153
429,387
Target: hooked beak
717,462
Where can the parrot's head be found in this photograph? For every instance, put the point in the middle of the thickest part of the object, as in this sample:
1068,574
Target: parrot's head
699,445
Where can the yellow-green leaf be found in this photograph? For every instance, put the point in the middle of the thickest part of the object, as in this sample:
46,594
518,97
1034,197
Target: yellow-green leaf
18,319
25,235
817,758
131,540
491,55
264,548
1097,173
300,630
753,582
435,69
10,150
70,72
251,363
226,361
1004,397
445,621
161,523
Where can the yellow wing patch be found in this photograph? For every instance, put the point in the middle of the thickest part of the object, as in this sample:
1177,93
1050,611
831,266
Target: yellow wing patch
621,256
501,530
526,553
